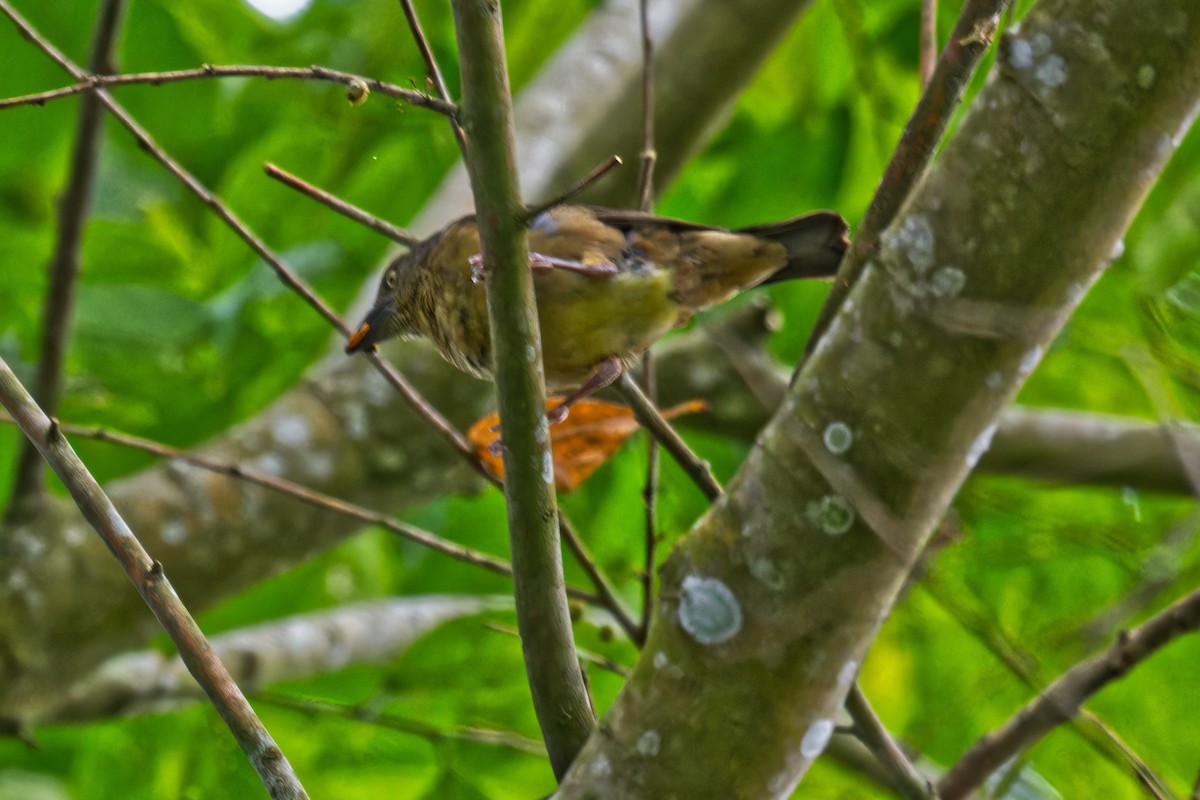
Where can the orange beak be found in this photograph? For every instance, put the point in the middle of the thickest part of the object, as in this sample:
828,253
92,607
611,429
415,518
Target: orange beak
358,337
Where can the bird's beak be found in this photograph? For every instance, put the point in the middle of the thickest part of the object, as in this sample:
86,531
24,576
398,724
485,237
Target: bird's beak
371,329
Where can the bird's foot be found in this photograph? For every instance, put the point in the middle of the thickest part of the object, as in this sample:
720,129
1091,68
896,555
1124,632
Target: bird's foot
598,268
604,373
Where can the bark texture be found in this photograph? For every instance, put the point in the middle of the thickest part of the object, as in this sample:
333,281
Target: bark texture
770,604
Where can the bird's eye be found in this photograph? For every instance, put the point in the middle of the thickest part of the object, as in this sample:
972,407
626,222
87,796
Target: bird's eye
389,279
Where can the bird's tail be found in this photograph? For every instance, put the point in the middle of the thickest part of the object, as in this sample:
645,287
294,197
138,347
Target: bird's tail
815,244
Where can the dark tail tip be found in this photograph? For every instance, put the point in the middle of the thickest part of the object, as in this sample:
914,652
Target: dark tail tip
815,244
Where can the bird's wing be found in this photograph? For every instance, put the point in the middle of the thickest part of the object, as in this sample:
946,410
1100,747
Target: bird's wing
625,219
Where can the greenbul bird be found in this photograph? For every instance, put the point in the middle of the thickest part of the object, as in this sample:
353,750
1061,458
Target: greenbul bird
608,284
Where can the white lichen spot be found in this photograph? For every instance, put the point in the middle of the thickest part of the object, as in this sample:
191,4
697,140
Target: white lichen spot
1020,54
174,531
1118,250
846,674
765,570
75,535
1029,361
915,240
705,376
530,353
648,744
601,767
947,282
319,465
816,737
1040,43
780,784
994,379
17,581
980,446
270,463
377,390
1075,292
1052,72
708,610
354,418
1145,76
291,430
660,660
831,515
838,437
547,467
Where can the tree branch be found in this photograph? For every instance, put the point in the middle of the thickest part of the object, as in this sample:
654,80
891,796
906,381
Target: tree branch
773,599
91,83
968,42
905,777
151,582
59,306
292,648
560,698
1062,699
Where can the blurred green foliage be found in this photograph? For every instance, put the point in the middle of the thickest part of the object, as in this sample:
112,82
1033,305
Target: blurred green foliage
181,332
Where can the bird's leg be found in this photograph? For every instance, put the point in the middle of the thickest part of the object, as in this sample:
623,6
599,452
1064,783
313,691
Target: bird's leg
605,373
598,268
595,269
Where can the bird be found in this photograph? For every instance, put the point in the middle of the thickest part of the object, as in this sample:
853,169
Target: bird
608,284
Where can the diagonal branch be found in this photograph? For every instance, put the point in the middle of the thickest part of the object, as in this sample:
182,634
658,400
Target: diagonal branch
777,593
73,208
968,42
1062,699
151,582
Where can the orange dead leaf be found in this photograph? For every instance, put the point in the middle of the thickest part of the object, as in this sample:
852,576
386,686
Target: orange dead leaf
580,444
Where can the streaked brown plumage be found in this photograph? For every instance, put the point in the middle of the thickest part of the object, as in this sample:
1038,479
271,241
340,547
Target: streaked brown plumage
608,284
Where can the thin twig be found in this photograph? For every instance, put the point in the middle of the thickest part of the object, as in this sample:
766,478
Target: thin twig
649,156
1150,781
1022,665
970,40
1063,698
928,43
649,375
369,716
432,70
92,83
650,418
586,657
603,588
871,732
598,172
380,226
148,578
73,207
650,503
